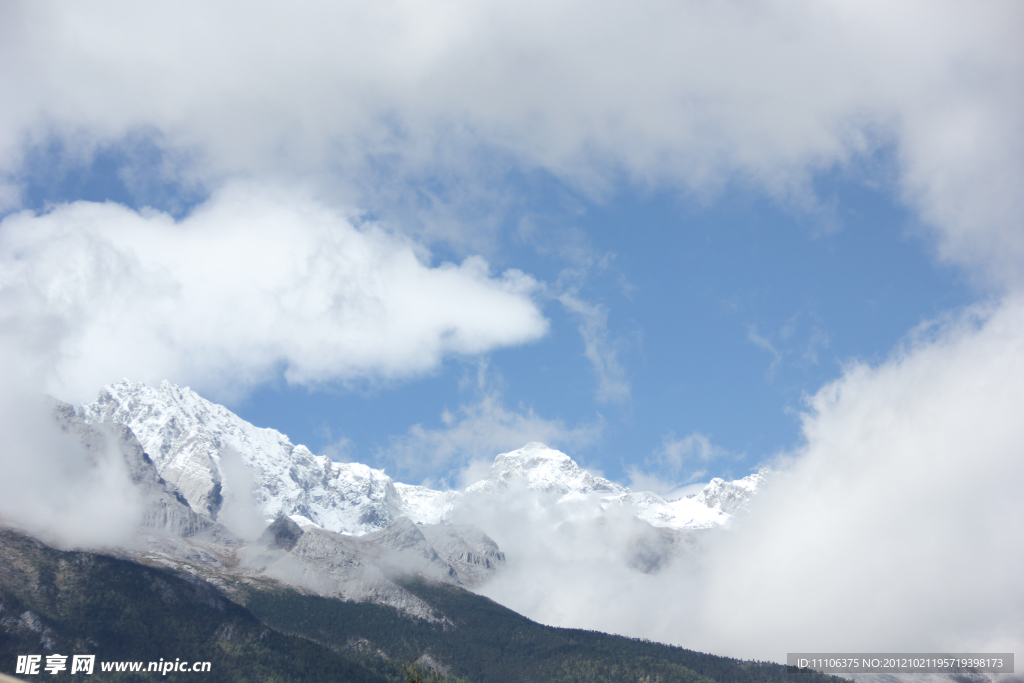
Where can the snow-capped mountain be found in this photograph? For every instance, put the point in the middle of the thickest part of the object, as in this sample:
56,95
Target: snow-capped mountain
214,457
730,496
210,454
160,528
537,467
160,506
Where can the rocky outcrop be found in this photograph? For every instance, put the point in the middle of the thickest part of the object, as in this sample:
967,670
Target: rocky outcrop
467,549
282,534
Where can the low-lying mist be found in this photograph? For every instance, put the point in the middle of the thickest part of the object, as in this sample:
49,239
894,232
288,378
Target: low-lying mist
898,526
56,487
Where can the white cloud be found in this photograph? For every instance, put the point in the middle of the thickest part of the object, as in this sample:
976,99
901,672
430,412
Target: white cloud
675,452
675,465
56,488
563,559
251,283
239,511
819,339
899,526
339,450
480,430
599,349
695,95
908,487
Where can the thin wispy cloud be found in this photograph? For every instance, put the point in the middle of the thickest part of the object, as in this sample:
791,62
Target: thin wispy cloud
480,429
678,461
764,343
599,348
817,342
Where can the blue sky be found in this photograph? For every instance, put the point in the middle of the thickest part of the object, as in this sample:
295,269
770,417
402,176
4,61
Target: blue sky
708,219
723,314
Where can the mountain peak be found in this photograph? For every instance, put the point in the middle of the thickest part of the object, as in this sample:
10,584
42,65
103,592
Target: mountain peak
538,467
538,449
217,460
533,454
730,496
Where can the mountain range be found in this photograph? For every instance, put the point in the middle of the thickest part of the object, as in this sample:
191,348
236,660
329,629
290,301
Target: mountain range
243,512
284,565
223,498
214,458
126,612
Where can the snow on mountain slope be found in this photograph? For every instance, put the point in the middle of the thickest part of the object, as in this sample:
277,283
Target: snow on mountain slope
214,457
539,468
730,496
685,513
428,506
160,507
211,455
713,506
543,469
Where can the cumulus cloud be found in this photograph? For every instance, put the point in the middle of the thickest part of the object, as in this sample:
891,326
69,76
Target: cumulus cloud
906,488
692,95
251,283
898,526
